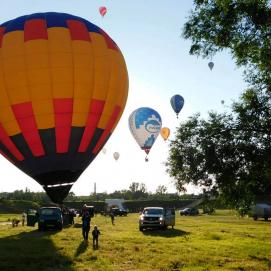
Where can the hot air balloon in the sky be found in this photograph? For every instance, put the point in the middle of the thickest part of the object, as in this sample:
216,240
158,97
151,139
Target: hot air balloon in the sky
104,150
145,125
116,155
177,102
102,11
211,65
165,132
63,88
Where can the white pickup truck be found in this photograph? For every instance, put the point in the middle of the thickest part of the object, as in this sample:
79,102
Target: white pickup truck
156,217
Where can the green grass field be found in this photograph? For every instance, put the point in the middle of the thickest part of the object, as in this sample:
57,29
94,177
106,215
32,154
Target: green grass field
219,242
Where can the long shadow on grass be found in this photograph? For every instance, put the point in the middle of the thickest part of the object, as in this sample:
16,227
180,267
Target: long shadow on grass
81,249
165,233
29,251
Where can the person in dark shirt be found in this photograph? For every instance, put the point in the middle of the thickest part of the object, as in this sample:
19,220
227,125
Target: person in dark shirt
95,237
112,216
86,223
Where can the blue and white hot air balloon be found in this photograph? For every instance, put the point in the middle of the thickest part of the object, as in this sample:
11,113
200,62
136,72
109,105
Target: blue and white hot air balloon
145,125
177,102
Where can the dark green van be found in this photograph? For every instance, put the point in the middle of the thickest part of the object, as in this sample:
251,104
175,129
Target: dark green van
50,217
46,217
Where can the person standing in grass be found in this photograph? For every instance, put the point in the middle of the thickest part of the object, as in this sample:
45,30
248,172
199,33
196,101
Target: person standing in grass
112,218
95,237
86,223
24,216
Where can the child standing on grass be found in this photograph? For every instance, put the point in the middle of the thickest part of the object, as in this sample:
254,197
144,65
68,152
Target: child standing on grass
95,237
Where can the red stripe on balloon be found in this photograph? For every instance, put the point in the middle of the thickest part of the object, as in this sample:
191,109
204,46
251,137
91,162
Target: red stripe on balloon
108,129
94,115
25,118
63,119
2,31
35,29
6,141
110,43
78,30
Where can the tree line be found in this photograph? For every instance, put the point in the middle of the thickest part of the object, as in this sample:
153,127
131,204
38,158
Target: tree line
136,191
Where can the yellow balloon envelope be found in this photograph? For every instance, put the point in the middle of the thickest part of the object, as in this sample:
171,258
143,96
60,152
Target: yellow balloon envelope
165,132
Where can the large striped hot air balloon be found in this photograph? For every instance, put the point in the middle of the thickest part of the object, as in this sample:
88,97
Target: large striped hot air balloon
63,88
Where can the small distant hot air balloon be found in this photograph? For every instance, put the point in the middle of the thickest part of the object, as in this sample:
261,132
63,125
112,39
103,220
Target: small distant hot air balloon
177,102
102,11
165,132
211,65
145,125
116,155
222,101
104,150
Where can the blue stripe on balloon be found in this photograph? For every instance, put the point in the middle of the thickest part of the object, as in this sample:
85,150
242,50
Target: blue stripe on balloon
53,19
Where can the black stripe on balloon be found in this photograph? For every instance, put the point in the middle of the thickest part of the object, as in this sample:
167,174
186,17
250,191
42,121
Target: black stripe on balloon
57,177
48,163
58,168
75,139
83,159
21,145
48,139
97,134
58,194
7,153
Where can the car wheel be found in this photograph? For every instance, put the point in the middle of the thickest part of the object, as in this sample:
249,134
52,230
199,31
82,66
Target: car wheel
141,228
266,218
255,217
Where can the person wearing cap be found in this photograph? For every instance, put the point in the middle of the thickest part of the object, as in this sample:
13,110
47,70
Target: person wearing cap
86,223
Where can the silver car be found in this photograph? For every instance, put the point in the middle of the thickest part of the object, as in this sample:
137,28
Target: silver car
156,217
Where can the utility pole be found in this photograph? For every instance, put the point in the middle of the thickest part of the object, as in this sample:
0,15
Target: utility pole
94,193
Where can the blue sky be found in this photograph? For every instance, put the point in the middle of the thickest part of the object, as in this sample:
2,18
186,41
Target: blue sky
159,66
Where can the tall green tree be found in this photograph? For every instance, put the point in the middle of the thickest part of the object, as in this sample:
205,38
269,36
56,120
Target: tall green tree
228,154
241,26
161,190
138,190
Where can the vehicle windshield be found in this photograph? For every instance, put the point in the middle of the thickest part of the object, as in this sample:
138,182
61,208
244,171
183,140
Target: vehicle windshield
49,211
153,212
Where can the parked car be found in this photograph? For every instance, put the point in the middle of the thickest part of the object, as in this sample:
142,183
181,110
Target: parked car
119,212
189,211
261,210
157,217
50,217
